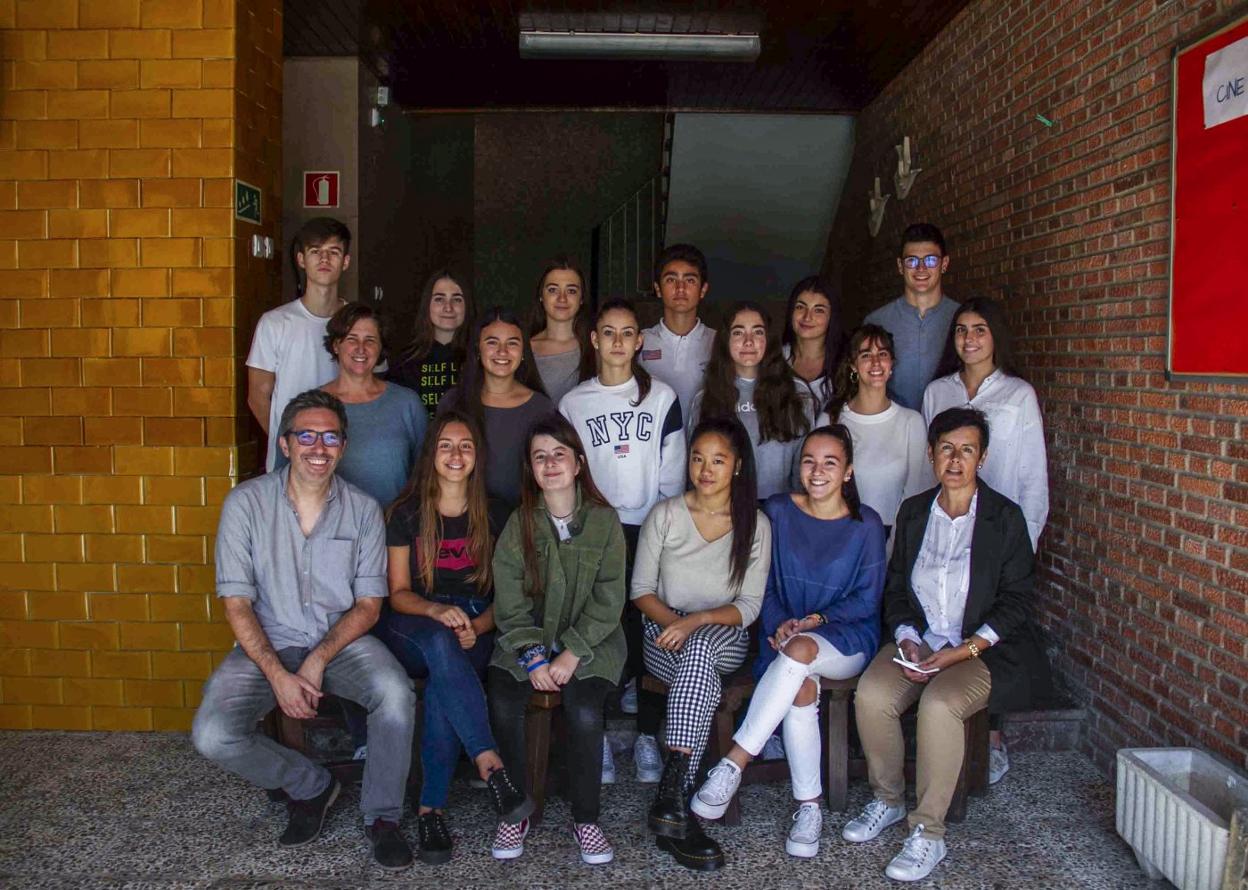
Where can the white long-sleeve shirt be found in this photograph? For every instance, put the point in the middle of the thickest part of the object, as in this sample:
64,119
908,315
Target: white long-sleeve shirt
636,453
1017,463
890,456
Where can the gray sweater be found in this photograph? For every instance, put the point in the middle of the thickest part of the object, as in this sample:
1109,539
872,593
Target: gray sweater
690,574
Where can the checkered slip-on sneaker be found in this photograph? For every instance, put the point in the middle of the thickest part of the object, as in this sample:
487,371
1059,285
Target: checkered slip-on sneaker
595,848
509,839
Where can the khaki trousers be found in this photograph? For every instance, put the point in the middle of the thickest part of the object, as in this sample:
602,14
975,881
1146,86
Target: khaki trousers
883,695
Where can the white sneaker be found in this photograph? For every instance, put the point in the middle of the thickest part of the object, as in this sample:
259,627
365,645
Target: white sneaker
773,750
361,753
628,701
716,792
998,764
646,758
608,763
918,856
874,818
803,838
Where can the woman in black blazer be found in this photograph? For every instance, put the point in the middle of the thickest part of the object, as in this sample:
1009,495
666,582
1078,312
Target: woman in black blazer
956,606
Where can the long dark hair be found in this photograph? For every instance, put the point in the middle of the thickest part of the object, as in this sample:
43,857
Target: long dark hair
472,378
743,494
580,324
641,374
425,485
849,488
558,428
422,342
1002,340
846,383
832,340
781,415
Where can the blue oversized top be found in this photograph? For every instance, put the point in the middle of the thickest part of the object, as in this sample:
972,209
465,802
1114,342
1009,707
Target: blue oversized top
834,567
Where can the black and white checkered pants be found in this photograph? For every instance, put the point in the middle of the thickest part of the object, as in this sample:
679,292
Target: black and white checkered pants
693,679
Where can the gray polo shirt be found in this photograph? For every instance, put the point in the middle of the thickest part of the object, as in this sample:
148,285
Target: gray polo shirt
919,342
299,586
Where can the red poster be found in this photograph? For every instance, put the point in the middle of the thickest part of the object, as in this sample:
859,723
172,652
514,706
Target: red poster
320,188
1209,207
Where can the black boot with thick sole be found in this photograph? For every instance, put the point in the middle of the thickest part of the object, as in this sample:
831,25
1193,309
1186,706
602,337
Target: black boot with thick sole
669,814
695,851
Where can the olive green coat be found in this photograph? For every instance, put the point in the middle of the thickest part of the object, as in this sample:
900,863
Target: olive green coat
579,600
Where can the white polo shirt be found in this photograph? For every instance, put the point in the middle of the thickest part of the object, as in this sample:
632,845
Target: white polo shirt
678,361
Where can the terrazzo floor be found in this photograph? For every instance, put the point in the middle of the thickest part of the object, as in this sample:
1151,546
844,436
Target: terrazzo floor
145,811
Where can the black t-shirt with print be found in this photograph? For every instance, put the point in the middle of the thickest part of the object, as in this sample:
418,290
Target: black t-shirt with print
431,375
455,565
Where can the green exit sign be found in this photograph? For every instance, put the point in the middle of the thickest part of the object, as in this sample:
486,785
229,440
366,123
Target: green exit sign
246,202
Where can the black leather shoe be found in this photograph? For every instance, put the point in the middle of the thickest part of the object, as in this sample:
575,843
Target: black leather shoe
669,814
390,849
695,851
435,839
307,816
512,805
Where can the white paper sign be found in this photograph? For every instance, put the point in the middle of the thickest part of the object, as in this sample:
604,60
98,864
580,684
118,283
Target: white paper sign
1226,84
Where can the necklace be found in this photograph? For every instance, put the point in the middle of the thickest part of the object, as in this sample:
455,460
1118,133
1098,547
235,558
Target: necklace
709,512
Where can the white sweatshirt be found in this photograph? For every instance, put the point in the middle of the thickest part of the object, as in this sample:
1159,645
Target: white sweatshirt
636,453
1017,464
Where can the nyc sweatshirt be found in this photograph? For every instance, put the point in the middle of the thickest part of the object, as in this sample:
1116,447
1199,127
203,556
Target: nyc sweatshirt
636,452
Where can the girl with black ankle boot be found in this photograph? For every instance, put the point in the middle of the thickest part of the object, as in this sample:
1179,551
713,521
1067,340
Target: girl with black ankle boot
559,590
702,562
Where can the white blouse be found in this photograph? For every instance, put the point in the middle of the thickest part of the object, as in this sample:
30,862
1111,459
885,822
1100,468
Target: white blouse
1017,463
941,579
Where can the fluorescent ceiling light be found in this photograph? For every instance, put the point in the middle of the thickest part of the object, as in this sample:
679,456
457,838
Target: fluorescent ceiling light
608,45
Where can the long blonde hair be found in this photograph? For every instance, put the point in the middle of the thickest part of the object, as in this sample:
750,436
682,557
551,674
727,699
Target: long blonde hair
426,485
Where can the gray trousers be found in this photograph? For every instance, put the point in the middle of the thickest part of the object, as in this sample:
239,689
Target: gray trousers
237,695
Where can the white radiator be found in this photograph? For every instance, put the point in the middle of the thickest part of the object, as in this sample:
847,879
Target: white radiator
1174,808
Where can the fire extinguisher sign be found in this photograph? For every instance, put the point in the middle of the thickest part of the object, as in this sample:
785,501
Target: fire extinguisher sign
320,188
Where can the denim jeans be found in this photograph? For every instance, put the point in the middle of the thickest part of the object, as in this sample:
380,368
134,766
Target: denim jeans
582,711
455,709
237,695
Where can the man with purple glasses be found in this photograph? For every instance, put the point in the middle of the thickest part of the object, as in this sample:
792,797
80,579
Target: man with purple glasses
919,319
301,571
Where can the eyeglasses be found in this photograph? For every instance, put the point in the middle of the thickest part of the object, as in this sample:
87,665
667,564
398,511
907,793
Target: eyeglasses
331,438
931,261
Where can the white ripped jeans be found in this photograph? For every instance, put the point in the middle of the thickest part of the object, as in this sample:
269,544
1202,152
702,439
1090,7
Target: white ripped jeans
772,704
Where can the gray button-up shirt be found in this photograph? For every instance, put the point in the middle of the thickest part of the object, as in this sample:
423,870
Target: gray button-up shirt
299,586
919,342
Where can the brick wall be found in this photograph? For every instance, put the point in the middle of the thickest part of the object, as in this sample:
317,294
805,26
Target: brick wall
124,282
1144,566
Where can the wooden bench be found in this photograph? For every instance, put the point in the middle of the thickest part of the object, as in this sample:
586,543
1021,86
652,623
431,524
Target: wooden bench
538,729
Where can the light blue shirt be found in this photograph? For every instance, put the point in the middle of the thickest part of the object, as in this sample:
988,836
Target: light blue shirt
918,341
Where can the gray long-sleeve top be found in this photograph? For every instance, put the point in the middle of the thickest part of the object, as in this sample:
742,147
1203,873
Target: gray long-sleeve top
689,573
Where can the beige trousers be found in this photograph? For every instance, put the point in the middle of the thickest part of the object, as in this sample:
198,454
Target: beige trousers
883,695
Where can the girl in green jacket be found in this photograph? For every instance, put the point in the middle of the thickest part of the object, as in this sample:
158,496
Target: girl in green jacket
558,594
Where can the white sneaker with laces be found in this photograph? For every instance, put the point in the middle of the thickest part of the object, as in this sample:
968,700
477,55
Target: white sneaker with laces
804,836
647,759
998,764
874,818
716,792
918,856
361,753
608,763
628,701
509,840
595,848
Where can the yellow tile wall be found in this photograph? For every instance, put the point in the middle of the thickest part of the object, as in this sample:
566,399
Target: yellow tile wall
127,297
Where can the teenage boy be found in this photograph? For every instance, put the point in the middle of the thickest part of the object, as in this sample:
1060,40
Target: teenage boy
919,319
677,349
287,351
301,573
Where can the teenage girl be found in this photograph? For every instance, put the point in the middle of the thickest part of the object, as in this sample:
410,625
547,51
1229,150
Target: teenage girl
559,575
812,336
559,332
439,620
430,365
748,378
502,391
